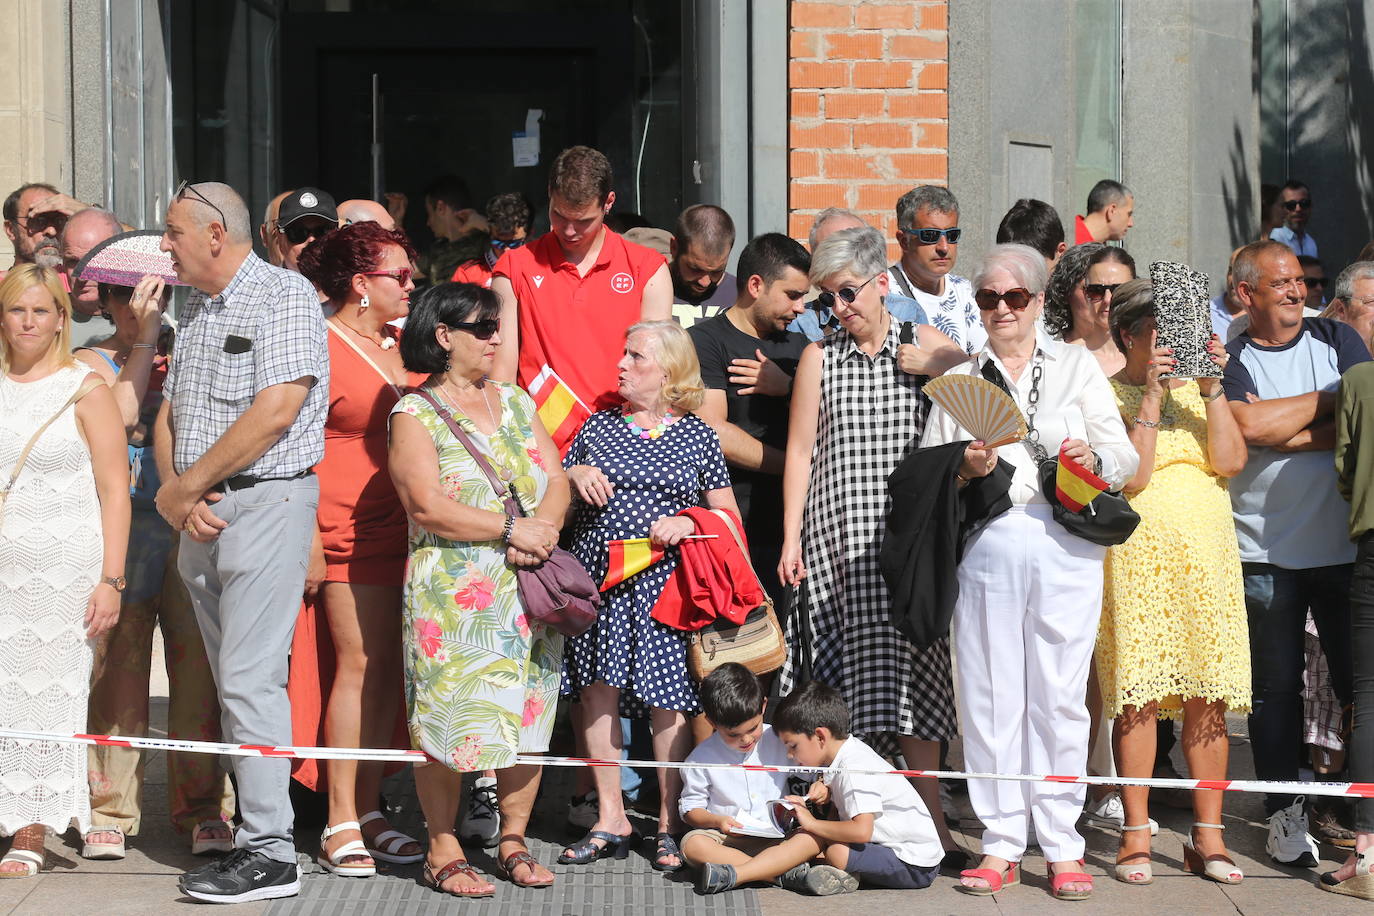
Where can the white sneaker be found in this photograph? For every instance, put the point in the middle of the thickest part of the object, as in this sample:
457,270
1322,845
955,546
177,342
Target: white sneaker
482,820
583,810
1289,842
1111,814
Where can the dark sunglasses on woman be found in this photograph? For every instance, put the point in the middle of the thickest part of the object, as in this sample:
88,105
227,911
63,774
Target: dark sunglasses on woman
847,293
1016,299
1098,291
482,330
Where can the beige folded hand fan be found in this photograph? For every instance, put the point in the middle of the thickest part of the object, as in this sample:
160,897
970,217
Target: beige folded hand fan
980,407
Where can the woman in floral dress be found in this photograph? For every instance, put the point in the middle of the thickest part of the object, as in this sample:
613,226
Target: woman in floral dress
482,679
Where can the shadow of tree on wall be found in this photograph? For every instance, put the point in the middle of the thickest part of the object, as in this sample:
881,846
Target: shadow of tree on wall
1238,190
1359,90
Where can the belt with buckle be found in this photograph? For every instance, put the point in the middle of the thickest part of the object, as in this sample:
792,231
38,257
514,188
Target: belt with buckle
244,481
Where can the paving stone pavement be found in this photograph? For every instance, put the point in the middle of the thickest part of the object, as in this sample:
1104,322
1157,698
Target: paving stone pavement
144,883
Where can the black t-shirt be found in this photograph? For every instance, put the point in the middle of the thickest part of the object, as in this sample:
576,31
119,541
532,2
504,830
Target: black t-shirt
762,416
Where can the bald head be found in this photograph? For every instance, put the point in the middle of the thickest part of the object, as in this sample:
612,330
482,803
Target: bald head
832,220
86,229
216,202
365,211
268,231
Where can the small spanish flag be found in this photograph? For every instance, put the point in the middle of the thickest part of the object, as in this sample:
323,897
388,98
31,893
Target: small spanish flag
1074,485
560,409
627,557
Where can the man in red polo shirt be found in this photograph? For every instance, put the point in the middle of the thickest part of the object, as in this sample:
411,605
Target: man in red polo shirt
568,298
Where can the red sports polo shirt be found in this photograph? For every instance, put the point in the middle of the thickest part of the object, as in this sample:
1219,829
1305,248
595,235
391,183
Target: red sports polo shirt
576,325
473,272
1081,235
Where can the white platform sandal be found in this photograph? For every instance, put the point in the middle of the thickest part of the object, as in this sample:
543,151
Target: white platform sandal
334,862
31,860
90,850
388,841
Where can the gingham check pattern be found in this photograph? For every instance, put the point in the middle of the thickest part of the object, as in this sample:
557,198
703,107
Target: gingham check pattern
871,417
210,388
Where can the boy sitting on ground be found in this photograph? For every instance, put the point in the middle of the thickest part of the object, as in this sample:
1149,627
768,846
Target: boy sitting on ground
717,802
882,835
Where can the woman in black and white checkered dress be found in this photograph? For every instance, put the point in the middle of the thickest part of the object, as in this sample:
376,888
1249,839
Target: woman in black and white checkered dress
855,416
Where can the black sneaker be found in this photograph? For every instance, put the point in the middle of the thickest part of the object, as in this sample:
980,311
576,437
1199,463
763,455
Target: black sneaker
241,876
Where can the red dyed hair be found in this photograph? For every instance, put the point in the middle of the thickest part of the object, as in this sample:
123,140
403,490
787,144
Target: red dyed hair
331,261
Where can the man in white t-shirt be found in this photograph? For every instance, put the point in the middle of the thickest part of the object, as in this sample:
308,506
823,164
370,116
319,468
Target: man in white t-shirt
928,235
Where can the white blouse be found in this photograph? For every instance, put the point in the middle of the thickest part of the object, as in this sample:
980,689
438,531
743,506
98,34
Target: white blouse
1076,402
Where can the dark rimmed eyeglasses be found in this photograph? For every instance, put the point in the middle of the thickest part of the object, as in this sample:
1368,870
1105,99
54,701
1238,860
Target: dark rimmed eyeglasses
482,330
1302,203
1016,299
187,189
846,293
299,232
1098,291
401,275
931,236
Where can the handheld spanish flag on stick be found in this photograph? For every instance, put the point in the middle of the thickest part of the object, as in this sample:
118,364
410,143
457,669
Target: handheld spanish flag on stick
628,557
1074,485
560,409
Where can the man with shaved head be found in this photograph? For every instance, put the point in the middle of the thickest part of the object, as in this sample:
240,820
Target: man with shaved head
83,231
364,211
240,428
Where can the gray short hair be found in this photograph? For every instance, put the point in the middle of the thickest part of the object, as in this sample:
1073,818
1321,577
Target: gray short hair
861,251
1021,261
1245,267
237,225
1105,193
1133,304
826,216
926,197
1345,283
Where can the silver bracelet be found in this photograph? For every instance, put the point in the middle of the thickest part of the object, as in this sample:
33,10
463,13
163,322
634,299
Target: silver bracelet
142,346
1148,424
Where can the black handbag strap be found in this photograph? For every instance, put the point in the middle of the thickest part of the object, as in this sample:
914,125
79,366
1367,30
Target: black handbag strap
501,488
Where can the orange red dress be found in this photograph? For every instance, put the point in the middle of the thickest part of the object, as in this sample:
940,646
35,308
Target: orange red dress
362,525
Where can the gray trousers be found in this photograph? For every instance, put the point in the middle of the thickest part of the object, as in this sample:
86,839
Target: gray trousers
246,588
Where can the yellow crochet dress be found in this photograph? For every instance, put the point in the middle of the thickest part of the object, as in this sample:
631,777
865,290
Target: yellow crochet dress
1173,618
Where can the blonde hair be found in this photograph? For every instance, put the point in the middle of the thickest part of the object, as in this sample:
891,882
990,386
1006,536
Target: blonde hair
683,388
17,282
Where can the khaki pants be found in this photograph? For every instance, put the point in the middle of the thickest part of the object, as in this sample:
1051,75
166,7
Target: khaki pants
197,787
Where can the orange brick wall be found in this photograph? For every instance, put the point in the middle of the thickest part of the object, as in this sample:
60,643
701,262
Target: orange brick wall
869,106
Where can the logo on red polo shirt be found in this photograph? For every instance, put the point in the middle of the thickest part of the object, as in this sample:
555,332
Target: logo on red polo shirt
622,283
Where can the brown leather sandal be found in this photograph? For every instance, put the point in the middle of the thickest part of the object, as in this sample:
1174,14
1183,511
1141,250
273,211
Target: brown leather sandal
518,858
435,880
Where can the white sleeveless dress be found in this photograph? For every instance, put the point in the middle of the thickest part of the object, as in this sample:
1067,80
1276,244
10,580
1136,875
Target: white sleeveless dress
50,557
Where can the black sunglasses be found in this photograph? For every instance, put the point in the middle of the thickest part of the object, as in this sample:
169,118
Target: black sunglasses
186,188
1316,281
298,232
1016,299
931,236
506,244
1098,291
482,330
847,293
1302,203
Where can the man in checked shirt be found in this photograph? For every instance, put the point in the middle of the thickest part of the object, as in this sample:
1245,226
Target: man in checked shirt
240,428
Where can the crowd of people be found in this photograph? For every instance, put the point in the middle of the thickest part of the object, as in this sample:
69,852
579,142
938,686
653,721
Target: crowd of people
328,478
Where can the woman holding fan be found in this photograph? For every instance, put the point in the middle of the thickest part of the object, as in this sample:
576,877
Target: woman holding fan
1173,641
1029,591
633,469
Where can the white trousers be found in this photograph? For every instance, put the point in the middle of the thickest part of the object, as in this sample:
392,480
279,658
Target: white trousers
1030,594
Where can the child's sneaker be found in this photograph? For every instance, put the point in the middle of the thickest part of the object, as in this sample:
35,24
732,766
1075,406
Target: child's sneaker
818,880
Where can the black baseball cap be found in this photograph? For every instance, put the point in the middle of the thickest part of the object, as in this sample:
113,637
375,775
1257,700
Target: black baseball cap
304,202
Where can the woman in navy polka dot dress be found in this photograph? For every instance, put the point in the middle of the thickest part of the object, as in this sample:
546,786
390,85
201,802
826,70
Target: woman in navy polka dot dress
632,470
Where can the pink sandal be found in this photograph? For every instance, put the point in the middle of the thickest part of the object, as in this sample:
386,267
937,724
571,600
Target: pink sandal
1059,879
996,880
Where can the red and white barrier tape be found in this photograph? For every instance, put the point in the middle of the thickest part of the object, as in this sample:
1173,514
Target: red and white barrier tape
390,755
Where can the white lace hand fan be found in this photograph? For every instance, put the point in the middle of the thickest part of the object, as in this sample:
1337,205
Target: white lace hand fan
980,407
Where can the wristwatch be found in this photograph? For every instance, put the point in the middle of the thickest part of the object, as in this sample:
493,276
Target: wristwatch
117,583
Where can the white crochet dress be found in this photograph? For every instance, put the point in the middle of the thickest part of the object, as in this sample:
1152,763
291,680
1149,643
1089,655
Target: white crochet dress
50,558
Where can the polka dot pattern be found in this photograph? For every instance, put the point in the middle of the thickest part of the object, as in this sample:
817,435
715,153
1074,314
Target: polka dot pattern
652,478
